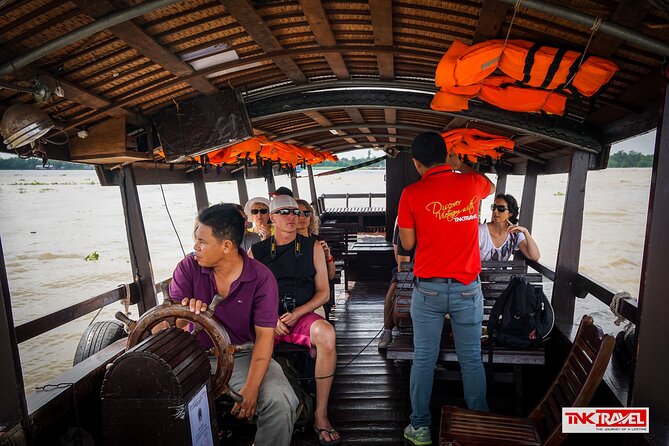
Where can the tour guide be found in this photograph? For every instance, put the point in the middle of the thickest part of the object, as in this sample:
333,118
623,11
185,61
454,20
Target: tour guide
439,216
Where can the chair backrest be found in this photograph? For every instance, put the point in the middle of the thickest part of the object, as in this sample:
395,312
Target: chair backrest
577,381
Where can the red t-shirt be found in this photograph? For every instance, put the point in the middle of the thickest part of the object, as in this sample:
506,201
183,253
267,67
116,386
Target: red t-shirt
443,208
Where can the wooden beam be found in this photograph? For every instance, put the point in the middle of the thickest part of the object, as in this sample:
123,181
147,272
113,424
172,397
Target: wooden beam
325,123
318,22
242,191
293,186
357,118
201,198
73,92
41,325
529,195
271,184
391,118
525,140
137,38
636,97
138,246
650,387
13,407
493,14
279,55
382,24
500,185
253,24
569,247
456,123
312,190
628,13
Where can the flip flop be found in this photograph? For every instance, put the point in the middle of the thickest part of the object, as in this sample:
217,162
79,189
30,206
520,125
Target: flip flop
321,441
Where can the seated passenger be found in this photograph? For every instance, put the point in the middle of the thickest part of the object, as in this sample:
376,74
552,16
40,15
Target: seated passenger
298,263
250,238
258,209
389,322
248,313
307,225
502,237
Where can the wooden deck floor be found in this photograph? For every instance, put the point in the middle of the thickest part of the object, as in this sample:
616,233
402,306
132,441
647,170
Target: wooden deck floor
369,402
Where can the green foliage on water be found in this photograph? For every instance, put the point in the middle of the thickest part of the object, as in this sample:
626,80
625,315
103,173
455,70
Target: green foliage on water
92,257
16,163
630,159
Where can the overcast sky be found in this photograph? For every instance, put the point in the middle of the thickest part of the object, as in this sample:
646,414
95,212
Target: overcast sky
644,144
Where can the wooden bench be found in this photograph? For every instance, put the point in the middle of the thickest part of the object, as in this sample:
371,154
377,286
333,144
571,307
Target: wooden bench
495,277
338,239
574,386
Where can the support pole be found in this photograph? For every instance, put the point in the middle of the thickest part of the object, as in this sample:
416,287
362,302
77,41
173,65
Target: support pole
13,406
201,198
293,185
271,185
500,187
650,387
312,190
137,243
529,195
242,191
569,248
403,172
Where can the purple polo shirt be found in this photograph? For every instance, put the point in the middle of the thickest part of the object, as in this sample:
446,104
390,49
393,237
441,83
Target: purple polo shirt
252,300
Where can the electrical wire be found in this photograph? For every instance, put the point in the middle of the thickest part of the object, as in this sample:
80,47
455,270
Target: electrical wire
169,215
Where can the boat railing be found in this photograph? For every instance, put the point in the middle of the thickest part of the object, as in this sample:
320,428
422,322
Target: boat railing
43,324
584,285
347,197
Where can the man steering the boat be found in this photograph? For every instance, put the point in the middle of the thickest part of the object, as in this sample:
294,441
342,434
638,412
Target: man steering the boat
439,216
248,313
298,263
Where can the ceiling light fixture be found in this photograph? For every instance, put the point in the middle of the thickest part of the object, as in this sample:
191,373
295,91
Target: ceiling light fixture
24,124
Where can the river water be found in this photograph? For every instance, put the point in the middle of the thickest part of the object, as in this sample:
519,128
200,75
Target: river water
50,221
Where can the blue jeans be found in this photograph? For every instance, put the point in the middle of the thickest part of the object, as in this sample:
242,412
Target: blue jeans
430,302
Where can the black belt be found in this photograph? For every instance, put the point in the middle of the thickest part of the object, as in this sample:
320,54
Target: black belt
437,280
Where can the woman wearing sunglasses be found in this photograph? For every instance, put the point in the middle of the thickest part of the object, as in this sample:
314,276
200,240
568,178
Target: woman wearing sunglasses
502,237
257,209
307,225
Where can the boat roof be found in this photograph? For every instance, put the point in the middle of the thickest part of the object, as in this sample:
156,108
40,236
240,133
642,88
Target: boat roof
334,75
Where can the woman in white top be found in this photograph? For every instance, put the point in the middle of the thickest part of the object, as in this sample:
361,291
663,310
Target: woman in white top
502,237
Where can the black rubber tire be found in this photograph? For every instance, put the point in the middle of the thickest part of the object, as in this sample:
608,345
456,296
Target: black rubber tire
97,336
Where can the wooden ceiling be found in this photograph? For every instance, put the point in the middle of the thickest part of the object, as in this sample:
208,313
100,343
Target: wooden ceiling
307,68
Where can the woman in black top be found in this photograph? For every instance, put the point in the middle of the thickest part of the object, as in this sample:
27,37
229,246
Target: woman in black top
307,225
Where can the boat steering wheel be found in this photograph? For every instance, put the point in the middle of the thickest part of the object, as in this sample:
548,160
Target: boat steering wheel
168,313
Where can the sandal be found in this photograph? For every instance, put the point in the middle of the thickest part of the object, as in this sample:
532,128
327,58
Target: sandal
321,441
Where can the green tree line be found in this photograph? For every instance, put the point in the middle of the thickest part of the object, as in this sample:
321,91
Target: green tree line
353,161
16,163
630,159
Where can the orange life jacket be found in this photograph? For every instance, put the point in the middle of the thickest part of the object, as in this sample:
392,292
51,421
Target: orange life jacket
464,71
260,147
476,143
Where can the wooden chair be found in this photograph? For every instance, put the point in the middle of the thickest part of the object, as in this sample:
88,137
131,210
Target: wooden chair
573,387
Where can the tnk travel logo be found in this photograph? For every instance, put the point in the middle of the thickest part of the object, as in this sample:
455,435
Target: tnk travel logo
604,419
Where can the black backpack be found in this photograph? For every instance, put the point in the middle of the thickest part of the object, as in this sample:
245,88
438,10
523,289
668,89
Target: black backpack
521,317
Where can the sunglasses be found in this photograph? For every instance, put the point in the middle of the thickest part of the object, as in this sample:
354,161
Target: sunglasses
286,212
500,207
259,211
306,213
